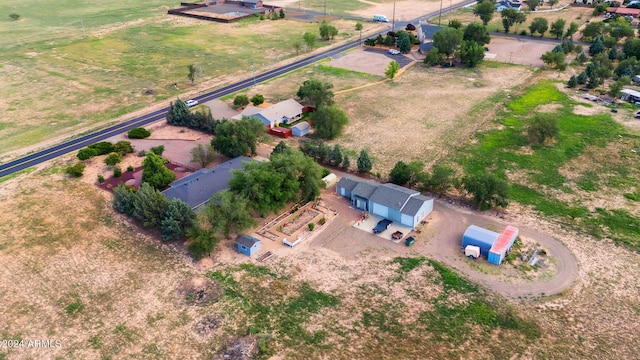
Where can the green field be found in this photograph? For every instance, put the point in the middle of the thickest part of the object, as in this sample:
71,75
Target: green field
590,159
98,60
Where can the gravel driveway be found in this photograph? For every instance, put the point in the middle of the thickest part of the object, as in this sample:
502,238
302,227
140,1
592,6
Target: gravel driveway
445,234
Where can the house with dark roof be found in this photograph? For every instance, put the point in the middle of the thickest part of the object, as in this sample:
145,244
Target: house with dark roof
396,203
508,4
197,188
425,36
247,245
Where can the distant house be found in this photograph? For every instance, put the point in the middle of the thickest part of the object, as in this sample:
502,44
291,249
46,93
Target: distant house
396,203
624,11
630,95
283,112
197,188
301,129
253,4
508,4
247,245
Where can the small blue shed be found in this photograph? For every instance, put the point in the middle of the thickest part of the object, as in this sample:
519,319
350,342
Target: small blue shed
480,237
247,245
301,129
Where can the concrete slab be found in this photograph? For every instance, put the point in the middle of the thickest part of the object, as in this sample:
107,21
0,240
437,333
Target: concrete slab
368,224
220,109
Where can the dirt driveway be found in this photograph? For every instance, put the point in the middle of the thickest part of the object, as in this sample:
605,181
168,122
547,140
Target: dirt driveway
440,240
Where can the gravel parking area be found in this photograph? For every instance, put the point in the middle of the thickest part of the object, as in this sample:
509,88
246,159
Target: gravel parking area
518,50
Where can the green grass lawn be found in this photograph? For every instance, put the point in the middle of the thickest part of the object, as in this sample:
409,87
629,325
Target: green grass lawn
542,171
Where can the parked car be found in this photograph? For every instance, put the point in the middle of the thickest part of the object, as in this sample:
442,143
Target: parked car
394,51
382,226
191,103
409,241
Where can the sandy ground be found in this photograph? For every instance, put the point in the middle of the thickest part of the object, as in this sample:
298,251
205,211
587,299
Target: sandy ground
517,51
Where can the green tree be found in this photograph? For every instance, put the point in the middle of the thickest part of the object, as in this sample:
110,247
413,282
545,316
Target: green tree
404,43
155,173
138,133
573,82
297,46
236,138
554,59
309,39
539,25
346,162
541,128
123,199
75,170
14,16
102,147
471,53
455,23
257,99
87,153
336,155
364,161
441,180
532,4
150,206
301,169
485,10
486,190
616,87
552,3
434,57
327,32
113,159
280,148
631,47
316,93
158,150
597,47
240,100
571,30
392,69
400,174
227,213
266,190
201,241
594,29
282,14
582,78
178,219
557,28
358,26
448,41
203,154
179,113
511,17
476,32
195,72
620,28
123,147
329,121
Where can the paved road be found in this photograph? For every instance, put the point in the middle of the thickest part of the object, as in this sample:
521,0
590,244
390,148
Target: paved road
80,142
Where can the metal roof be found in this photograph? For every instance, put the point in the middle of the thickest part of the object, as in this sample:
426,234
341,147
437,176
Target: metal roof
348,183
414,204
505,240
392,196
303,125
482,235
364,189
284,110
246,240
197,188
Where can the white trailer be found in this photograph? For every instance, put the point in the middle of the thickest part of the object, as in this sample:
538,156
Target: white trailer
472,252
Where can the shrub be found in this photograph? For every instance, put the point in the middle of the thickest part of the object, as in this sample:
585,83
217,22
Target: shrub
100,178
142,153
322,221
87,153
117,171
123,147
138,133
311,226
102,147
75,170
113,159
257,99
130,168
158,150
523,32
14,16
240,101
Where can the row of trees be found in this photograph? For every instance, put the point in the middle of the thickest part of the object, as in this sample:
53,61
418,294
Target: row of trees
328,120
335,156
452,42
243,100
486,190
402,39
104,148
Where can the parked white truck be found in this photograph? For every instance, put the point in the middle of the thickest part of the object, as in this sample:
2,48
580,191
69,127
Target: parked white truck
380,18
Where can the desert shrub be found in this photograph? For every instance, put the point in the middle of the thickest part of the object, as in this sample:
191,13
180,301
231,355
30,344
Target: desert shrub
322,221
142,153
311,226
75,170
158,150
113,159
117,171
138,133
87,153
102,147
130,168
100,178
123,147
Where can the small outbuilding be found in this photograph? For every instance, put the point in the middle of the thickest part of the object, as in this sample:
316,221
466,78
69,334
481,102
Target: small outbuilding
480,237
301,129
329,179
247,245
502,246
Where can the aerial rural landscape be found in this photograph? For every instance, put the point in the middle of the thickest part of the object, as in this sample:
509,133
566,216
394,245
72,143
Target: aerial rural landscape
320,179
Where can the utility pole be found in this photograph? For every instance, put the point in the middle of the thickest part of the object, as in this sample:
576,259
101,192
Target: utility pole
325,8
440,13
393,19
